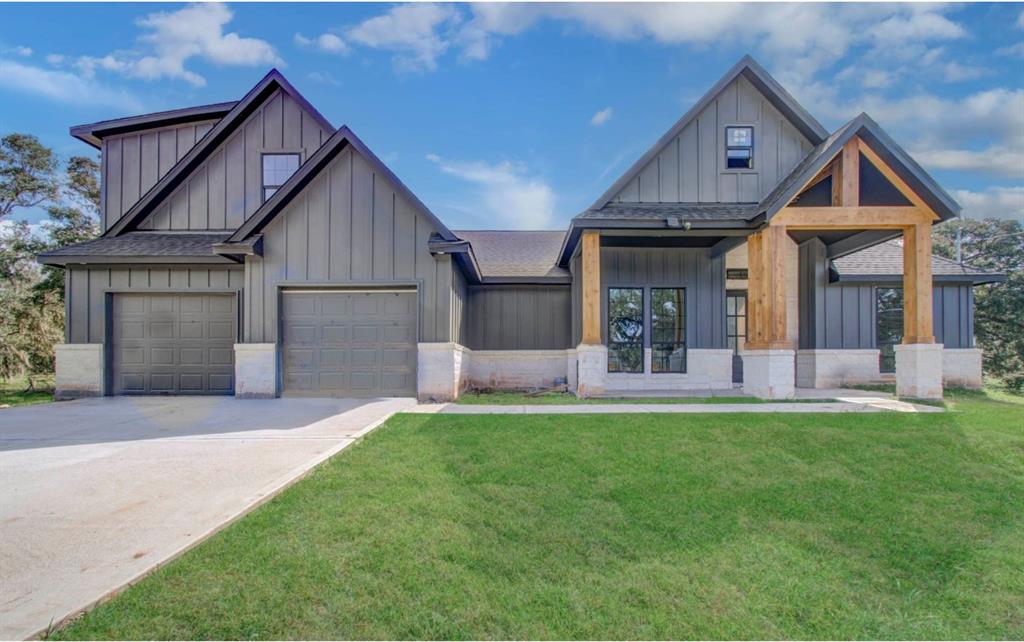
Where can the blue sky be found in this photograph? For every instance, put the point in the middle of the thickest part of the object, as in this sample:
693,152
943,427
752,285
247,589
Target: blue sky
520,115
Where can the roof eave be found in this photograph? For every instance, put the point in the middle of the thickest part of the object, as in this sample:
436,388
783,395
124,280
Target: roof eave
106,259
93,133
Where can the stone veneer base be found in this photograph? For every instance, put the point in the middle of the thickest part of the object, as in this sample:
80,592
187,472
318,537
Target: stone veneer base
961,367
769,374
79,370
919,370
821,368
256,370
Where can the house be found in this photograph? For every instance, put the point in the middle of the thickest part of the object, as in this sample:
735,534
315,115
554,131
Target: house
252,248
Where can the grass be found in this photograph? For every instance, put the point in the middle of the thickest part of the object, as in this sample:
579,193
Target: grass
14,393
887,525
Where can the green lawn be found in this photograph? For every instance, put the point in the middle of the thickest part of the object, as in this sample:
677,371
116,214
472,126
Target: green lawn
13,393
884,525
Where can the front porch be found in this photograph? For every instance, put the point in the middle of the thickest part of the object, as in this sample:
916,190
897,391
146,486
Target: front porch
767,354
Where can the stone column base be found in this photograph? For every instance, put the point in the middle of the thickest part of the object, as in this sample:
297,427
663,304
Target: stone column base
962,367
571,364
836,368
919,370
80,370
591,369
442,371
256,370
769,374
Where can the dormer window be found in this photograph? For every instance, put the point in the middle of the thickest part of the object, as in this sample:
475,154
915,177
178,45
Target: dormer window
739,147
277,169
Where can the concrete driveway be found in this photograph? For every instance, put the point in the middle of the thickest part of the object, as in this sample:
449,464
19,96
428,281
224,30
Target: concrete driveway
95,493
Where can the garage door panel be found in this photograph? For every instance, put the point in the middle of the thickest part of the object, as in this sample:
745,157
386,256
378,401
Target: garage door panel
335,334
356,338
222,330
173,343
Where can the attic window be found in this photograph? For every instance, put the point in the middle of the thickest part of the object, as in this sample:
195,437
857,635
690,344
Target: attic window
739,147
277,169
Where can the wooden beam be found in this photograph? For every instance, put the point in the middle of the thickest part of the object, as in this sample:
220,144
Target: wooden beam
766,293
591,268
894,178
875,217
917,284
837,182
849,195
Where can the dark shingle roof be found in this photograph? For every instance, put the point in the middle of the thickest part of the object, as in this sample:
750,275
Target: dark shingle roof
511,253
682,211
140,245
886,259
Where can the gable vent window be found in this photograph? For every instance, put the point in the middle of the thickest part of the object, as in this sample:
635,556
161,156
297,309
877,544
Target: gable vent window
277,168
739,147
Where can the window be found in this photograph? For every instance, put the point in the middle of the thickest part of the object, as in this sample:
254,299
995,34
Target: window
889,328
668,330
736,320
277,168
739,147
625,330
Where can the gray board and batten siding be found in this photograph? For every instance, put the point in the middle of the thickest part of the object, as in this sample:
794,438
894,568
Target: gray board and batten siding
690,168
87,288
518,317
695,269
835,316
349,227
226,188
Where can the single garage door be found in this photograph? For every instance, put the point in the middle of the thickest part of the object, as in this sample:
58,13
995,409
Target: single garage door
349,343
173,344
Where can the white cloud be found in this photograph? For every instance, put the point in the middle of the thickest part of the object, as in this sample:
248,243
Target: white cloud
601,117
998,160
994,202
54,59
323,77
64,87
1020,20
23,51
417,34
326,42
1014,51
174,38
508,195
955,72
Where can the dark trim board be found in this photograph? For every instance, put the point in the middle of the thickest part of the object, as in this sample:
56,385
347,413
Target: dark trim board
94,133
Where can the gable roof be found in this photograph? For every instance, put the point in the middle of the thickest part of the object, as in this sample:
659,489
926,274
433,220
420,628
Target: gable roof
517,255
884,262
763,81
882,144
209,143
309,170
94,133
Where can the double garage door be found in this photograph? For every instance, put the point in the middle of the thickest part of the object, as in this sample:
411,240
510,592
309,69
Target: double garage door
173,344
349,343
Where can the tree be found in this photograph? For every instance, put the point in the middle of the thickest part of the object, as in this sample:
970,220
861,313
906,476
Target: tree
32,296
994,245
28,173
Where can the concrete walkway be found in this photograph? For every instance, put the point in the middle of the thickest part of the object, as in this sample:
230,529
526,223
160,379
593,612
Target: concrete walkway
96,493
846,404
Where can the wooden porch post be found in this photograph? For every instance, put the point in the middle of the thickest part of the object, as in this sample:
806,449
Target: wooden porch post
591,268
766,295
917,284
